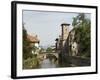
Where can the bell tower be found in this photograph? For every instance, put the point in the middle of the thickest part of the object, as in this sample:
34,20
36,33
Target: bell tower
65,32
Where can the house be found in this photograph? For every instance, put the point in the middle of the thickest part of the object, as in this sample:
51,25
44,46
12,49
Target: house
34,42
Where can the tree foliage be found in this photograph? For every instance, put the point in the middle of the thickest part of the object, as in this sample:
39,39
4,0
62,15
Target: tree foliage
49,49
26,45
82,34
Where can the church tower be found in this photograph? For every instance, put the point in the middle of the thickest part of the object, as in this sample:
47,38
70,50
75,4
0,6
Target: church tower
65,32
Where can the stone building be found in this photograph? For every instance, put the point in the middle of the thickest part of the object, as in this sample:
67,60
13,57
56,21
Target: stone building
68,48
64,33
65,44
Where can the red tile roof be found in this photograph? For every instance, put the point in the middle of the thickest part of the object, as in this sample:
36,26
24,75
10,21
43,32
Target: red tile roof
33,39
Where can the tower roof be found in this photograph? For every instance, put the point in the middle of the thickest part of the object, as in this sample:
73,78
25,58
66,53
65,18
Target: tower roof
65,24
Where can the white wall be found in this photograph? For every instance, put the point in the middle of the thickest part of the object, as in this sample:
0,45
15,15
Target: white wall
5,37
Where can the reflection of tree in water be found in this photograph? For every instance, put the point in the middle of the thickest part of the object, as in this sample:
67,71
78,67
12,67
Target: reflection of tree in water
47,64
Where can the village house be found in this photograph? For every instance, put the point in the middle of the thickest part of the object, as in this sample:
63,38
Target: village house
34,42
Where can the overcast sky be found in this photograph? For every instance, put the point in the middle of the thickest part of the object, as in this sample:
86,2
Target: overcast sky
47,25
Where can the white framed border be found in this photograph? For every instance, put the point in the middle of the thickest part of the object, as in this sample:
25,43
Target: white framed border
61,8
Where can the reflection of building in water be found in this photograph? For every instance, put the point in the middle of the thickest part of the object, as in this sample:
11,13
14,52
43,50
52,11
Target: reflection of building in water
34,42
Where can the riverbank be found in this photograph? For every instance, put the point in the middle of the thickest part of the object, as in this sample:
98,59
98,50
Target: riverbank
30,63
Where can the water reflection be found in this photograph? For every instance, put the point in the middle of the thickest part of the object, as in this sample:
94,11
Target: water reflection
47,63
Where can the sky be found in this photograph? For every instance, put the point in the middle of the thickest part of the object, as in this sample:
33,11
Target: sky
46,25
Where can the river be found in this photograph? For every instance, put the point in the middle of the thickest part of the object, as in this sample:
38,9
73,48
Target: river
46,63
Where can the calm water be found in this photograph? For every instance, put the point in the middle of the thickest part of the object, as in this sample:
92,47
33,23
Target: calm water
46,63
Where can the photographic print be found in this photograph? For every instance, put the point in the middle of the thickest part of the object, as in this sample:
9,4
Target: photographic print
53,39
56,39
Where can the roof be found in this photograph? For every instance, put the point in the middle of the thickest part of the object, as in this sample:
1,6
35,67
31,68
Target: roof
33,39
65,24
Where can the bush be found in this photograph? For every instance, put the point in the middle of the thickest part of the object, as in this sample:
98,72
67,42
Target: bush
30,63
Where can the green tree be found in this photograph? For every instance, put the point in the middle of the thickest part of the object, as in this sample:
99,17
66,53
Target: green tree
82,34
74,23
34,48
49,49
26,45
41,50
